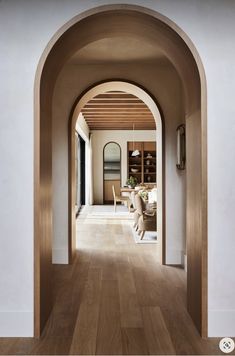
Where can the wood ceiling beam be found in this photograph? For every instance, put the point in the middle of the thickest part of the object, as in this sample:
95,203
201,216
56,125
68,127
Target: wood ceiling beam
120,119
124,117
121,124
116,97
136,106
117,108
120,128
115,111
107,113
118,111
115,101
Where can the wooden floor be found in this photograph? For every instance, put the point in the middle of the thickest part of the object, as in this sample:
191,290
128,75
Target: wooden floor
115,299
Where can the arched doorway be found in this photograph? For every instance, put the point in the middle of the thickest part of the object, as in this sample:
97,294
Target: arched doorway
81,30
153,107
112,164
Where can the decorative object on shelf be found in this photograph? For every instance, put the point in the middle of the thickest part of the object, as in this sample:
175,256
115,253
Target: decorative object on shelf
146,170
135,153
138,187
143,194
149,155
134,170
148,178
181,147
148,162
131,182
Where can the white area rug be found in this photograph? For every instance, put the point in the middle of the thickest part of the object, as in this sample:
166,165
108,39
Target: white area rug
107,212
150,237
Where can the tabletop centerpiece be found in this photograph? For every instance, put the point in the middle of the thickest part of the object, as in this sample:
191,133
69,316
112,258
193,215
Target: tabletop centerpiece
131,182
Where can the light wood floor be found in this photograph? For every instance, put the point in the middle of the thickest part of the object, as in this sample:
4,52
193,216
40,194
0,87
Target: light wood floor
115,299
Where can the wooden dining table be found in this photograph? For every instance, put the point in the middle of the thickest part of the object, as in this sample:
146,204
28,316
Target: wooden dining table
126,191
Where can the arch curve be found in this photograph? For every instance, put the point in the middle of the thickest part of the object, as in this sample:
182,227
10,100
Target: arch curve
139,92
120,155
134,89
60,48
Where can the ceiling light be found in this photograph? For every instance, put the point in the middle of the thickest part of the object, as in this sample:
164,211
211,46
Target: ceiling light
135,153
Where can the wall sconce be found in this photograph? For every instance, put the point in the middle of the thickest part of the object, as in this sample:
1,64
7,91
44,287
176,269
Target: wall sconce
181,147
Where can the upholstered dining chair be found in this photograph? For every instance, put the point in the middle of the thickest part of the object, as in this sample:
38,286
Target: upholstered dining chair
136,215
147,218
121,199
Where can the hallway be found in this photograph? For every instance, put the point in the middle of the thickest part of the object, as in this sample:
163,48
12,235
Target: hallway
115,298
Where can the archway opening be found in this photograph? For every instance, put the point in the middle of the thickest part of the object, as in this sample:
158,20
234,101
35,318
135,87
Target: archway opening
136,91
113,22
112,174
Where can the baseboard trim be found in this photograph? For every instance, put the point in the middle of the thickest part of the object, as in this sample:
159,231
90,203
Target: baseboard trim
221,323
16,324
60,256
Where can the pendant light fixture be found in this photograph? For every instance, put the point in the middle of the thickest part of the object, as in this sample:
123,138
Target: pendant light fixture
135,153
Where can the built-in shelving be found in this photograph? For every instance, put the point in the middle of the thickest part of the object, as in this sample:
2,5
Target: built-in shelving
145,163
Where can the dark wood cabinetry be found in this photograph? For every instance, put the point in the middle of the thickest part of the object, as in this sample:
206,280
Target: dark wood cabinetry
142,167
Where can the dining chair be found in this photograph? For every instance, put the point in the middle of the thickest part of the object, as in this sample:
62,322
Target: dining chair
121,199
136,215
147,218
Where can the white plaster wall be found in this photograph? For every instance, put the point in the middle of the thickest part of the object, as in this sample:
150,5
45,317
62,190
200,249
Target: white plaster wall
25,29
84,131
175,202
99,140
60,180
82,127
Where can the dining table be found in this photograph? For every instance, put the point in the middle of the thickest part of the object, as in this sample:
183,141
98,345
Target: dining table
151,202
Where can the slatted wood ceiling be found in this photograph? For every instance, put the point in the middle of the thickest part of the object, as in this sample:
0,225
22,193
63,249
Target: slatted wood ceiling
117,110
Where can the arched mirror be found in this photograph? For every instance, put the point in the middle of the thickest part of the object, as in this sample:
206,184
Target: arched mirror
112,170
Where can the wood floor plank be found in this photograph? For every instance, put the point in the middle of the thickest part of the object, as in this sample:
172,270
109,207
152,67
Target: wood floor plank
52,346
130,312
144,284
174,275
109,268
134,342
184,335
97,258
109,340
6,344
157,336
98,298
85,332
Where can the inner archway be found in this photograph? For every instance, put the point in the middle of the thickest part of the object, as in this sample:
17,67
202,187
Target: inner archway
176,46
148,100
